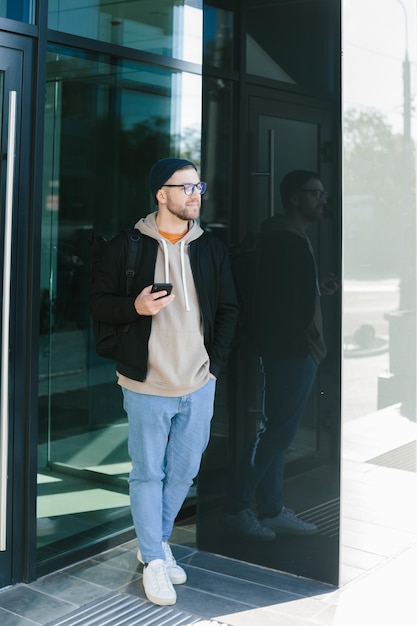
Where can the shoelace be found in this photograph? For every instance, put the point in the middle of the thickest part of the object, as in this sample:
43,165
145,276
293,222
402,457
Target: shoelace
161,576
169,557
289,513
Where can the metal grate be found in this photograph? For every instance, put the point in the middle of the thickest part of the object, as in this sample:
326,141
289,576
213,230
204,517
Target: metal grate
124,610
402,458
325,516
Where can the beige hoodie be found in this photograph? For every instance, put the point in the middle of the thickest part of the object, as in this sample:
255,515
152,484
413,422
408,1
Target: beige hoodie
178,363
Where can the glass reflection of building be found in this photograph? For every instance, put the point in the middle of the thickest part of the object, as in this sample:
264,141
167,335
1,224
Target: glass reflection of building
248,91
107,120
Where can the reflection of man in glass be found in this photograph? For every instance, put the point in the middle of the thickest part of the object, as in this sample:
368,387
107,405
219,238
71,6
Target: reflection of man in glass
289,338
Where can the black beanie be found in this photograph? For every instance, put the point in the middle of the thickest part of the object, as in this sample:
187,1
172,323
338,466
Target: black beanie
163,170
293,181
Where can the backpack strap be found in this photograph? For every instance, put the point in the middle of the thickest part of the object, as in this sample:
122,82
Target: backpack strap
134,237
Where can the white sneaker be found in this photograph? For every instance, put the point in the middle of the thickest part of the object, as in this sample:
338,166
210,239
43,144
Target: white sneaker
247,524
288,523
158,588
176,574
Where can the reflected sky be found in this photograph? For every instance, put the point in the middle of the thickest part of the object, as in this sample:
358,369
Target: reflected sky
379,52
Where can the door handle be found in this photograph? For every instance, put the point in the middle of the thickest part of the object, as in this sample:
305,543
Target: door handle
271,173
5,339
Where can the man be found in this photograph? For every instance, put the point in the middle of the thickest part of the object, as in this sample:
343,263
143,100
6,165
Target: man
289,338
169,358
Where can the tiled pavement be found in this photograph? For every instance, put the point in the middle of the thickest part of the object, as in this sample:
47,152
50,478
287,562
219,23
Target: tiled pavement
218,591
378,562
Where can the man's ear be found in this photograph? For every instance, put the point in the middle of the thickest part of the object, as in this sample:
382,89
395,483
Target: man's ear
160,195
294,200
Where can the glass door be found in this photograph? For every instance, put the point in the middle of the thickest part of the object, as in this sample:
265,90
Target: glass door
106,121
10,96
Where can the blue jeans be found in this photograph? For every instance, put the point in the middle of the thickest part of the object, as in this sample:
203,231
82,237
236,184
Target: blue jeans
166,439
288,383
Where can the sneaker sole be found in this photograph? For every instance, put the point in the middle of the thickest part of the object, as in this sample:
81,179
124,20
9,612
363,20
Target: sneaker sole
296,532
255,537
177,580
160,601
292,531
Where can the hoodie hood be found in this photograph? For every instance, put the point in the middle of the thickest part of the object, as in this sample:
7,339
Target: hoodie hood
148,226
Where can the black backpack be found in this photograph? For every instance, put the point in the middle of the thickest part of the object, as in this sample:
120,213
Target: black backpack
107,335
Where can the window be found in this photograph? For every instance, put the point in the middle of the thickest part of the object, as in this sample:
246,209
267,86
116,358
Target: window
106,122
20,10
165,27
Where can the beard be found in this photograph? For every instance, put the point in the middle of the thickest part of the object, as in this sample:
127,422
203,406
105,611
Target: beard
185,213
313,214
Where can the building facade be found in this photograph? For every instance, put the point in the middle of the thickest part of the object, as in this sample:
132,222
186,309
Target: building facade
92,94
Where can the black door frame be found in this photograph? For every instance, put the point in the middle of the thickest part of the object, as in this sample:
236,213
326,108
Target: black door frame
21,522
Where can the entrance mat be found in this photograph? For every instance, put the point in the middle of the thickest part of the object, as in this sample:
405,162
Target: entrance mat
402,458
122,609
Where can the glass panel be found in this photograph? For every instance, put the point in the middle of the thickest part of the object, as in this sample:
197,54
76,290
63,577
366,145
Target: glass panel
106,122
215,212
274,50
310,485
168,27
1,121
218,36
4,566
379,313
20,10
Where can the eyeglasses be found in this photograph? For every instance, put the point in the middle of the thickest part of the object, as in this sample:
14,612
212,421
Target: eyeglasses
189,188
317,193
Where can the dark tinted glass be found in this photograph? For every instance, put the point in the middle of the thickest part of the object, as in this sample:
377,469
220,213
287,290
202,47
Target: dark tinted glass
166,27
293,42
20,10
218,36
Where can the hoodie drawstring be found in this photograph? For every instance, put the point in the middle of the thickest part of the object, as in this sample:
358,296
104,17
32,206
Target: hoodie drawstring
182,258
184,281
166,260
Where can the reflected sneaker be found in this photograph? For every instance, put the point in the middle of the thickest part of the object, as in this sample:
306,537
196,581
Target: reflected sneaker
288,523
247,524
175,573
158,588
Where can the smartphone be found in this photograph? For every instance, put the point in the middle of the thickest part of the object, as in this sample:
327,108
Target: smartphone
333,279
332,282
162,287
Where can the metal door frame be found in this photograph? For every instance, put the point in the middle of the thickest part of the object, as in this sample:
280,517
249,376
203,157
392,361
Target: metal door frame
18,346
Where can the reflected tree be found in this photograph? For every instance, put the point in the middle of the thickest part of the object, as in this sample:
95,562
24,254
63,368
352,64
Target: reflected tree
374,195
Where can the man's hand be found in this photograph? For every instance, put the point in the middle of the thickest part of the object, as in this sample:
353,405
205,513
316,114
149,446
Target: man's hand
147,303
329,284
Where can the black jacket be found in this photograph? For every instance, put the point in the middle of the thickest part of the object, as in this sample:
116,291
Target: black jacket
284,322
215,288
